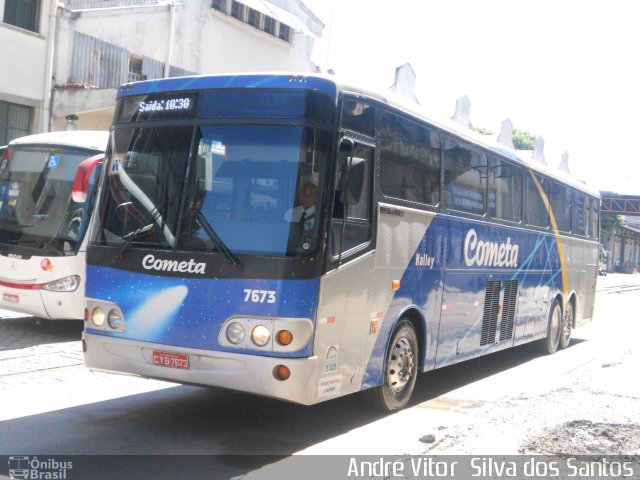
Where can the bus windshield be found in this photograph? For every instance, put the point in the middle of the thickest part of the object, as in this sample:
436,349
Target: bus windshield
235,188
36,207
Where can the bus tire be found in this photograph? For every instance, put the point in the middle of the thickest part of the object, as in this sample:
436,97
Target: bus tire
550,343
400,369
567,325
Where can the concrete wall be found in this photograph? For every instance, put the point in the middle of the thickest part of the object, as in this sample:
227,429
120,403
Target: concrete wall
204,41
24,56
624,249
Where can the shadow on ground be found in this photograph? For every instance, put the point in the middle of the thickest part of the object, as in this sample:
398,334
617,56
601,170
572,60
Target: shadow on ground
221,425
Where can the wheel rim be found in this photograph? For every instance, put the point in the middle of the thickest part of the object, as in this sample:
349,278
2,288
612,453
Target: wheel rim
401,365
555,325
566,324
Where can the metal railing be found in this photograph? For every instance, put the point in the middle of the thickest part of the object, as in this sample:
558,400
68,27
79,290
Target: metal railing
92,4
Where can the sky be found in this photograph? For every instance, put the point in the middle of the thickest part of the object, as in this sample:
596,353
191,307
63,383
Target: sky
568,71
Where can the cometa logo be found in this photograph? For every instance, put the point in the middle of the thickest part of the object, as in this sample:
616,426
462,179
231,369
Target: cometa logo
489,254
150,262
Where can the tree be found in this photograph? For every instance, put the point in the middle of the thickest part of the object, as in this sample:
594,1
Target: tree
483,131
523,140
608,222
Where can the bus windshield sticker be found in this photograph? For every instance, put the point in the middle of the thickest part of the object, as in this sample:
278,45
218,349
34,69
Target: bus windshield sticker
54,161
331,359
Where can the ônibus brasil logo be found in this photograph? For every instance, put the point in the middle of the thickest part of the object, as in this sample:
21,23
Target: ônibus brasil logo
33,468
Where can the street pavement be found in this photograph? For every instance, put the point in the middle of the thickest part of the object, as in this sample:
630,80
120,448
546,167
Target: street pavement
42,359
42,369
51,403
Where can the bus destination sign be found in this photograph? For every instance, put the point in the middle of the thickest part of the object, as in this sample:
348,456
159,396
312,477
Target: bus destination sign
166,105
157,106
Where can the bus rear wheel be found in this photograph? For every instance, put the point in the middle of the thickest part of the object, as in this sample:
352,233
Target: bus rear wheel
567,325
400,369
554,325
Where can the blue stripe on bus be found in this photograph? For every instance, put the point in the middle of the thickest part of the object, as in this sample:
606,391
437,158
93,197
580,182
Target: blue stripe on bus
188,312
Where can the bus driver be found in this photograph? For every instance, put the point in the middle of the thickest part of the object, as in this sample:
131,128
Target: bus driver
304,214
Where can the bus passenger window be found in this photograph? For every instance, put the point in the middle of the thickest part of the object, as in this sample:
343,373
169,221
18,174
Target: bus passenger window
359,117
465,178
357,228
580,214
561,206
595,221
409,160
537,213
505,190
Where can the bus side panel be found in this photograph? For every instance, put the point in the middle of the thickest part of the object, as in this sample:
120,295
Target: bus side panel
466,331
358,306
583,273
343,326
490,268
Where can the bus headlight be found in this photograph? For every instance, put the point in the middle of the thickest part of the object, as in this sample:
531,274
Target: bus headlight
98,316
285,337
260,335
273,334
235,333
66,284
114,319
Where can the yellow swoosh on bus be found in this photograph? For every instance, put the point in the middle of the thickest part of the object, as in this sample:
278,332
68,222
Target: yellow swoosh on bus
556,232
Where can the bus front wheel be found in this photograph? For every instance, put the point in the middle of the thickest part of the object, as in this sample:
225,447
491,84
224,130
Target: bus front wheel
400,369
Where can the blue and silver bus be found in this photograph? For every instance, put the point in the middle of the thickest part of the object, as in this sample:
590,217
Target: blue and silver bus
299,238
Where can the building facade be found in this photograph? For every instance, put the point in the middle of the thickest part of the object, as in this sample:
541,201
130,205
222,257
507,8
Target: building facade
66,58
25,43
623,246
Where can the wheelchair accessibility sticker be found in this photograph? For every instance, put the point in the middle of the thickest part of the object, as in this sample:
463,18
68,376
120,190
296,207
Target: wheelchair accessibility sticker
54,161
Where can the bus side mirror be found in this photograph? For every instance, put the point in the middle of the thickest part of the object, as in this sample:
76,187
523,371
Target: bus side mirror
355,180
80,187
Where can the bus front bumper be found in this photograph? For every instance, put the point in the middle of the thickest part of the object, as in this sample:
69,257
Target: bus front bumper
247,373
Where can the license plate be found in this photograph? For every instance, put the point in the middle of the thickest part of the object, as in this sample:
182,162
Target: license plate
171,360
9,298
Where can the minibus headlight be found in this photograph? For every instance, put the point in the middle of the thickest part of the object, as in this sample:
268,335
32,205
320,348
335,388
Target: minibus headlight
260,335
235,333
98,316
114,319
66,284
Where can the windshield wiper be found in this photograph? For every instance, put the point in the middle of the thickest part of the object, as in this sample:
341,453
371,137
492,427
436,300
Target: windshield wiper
132,235
49,244
38,244
211,233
